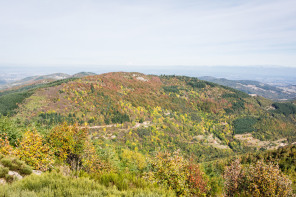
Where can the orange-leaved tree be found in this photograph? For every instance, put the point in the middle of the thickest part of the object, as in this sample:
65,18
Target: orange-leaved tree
5,147
196,180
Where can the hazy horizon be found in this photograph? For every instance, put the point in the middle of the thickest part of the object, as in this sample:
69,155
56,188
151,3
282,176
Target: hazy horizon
268,74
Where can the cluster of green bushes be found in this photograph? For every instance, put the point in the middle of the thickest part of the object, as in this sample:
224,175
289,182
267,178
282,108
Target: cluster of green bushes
55,118
244,125
200,84
118,117
284,108
13,164
11,129
173,89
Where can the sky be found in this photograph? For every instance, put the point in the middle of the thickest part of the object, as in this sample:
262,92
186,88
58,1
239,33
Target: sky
152,33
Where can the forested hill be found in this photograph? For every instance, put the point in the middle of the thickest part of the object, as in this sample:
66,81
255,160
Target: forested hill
148,112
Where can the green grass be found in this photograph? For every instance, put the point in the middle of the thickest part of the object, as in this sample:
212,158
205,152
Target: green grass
54,184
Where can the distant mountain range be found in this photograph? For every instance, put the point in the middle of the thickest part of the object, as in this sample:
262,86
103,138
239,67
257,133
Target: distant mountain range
257,88
251,87
41,79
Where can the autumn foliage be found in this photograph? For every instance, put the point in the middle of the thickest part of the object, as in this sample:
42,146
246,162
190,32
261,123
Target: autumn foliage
34,151
259,179
196,180
68,143
175,172
5,147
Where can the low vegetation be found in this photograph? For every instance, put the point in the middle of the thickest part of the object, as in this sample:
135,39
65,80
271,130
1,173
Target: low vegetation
54,184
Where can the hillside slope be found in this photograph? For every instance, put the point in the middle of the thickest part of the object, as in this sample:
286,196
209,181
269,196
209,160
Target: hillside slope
147,113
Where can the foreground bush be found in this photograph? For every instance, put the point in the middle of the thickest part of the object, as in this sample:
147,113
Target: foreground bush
3,171
54,184
16,165
176,173
69,143
267,180
34,151
259,179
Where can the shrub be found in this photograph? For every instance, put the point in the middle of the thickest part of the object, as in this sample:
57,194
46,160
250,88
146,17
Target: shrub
26,170
6,162
5,147
3,171
134,160
34,152
14,167
122,181
169,170
68,143
196,180
18,162
258,179
267,180
9,178
233,176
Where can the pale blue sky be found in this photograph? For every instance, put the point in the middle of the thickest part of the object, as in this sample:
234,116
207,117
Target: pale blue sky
152,32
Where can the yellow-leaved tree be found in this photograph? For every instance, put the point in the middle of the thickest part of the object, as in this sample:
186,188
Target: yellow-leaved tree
68,143
34,151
